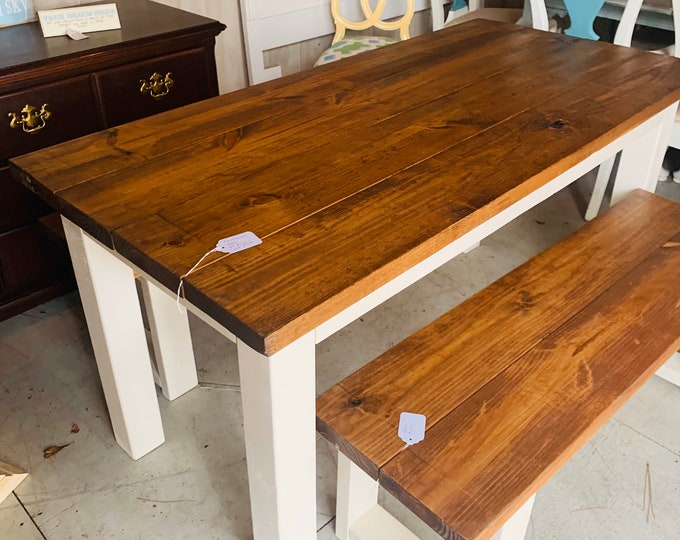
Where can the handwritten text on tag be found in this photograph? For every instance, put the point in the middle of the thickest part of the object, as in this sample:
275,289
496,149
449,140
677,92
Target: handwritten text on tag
238,242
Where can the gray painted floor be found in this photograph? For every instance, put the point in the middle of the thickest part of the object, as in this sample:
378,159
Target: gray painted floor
194,486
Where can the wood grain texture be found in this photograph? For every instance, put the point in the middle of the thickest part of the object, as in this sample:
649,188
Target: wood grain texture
517,378
430,135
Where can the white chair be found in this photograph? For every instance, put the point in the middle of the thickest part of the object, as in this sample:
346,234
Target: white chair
582,14
344,47
624,36
461,11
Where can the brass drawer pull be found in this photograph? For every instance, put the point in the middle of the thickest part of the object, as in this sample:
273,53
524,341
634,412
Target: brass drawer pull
157,86
30,118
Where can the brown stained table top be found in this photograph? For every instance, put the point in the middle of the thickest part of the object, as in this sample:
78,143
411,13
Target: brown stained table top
351,173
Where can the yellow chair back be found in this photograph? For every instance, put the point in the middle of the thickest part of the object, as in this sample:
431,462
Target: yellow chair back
373,18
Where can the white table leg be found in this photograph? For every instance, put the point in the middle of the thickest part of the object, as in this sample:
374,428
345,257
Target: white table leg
279,404
114,320
639,168
641,160
171,339
516,527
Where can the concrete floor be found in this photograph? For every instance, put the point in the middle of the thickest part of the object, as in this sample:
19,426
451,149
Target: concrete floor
195,487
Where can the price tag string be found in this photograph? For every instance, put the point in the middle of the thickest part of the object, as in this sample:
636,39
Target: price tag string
180,288
230,245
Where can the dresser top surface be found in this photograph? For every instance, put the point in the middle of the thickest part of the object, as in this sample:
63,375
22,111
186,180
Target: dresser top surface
24,44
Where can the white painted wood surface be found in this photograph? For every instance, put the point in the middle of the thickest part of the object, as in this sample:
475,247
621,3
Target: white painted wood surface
516,527
360,517
10,478
670,371
171,341
229,48
114,320
279,419
268,24
378,524
623,37
357,493
641,159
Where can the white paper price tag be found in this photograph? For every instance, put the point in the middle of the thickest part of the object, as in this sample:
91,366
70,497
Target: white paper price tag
75,34
232,244
411,428
238,242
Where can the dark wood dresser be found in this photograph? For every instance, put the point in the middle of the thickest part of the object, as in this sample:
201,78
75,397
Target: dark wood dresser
56,89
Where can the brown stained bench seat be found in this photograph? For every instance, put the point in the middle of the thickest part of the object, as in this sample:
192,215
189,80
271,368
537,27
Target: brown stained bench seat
516,379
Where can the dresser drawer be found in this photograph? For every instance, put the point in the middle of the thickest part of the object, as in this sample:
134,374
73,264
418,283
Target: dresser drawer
30,258
19,205
69,111
153,86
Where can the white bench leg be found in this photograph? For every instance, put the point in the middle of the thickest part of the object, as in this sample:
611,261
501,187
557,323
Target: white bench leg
516,527
279,417
641,160
358,516
670,371
114,320
357,494
171,341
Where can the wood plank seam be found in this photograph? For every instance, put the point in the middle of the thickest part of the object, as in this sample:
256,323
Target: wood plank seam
590,386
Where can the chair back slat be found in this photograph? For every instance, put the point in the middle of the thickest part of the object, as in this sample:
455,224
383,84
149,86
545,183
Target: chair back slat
373,18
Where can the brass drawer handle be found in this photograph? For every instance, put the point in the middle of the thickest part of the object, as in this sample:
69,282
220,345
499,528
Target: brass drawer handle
157,86
30,118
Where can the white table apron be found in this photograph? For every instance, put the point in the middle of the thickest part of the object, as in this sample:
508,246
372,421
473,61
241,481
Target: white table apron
278,392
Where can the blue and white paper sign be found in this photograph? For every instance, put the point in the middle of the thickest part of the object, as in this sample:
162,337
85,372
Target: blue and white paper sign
16,12
89,18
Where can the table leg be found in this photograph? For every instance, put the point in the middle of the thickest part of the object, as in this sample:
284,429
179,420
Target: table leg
516,527
639,168
171,339
279,403
641,159
114,320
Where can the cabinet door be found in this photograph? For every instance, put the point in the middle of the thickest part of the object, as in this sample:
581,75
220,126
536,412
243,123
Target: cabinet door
31,260
153,86
18,206
45,115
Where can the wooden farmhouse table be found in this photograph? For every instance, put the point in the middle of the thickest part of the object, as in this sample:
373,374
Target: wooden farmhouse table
360,177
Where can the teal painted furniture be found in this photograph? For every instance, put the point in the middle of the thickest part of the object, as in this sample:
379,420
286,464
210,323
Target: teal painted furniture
582,14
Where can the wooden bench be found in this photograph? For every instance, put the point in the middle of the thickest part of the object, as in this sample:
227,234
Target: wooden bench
513,381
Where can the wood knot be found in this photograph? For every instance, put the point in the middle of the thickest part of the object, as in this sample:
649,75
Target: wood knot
355,402
175,243
558,124
261,199
527,300
229,139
